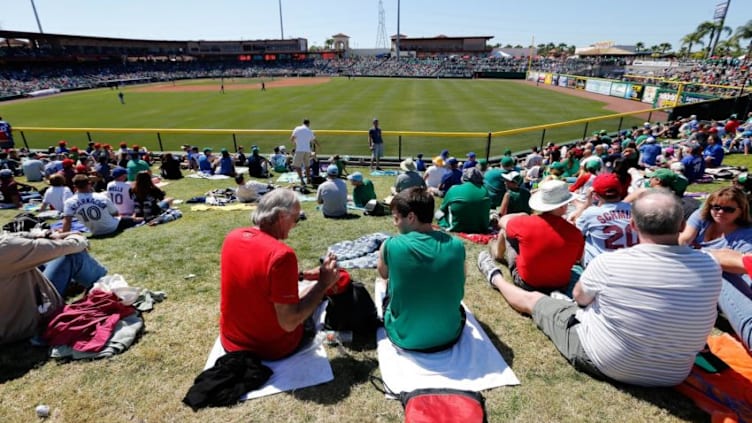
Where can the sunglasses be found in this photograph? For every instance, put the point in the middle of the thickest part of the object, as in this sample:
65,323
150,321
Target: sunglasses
726,209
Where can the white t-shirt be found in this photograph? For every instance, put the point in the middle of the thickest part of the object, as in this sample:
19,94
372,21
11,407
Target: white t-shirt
645,328
56,196
120,195
95,211
303,137
433,176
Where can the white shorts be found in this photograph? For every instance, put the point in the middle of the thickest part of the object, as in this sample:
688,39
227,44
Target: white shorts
378,150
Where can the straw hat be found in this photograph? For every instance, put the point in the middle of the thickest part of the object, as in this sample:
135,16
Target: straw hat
550,196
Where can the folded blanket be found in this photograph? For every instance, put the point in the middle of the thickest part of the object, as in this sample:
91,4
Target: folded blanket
384,173
229,207
472,364
361,253
477,238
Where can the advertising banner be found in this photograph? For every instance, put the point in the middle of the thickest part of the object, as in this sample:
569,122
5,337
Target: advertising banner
598,86
563,81
648,93
634,92
619,89
579,83
547,80
665,99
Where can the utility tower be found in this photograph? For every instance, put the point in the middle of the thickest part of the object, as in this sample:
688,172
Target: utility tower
381,40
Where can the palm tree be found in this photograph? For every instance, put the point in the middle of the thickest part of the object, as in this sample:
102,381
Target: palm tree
744,32
713,30
691,39
664,47
639,46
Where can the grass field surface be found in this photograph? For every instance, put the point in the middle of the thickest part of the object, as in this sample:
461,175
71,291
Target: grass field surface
416,105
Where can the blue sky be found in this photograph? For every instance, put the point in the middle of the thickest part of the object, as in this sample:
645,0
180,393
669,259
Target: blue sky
581,22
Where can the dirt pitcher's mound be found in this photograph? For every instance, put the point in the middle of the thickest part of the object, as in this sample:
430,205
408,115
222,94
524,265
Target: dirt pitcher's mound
229,85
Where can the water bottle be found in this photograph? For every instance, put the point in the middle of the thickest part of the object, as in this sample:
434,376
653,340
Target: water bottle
338,337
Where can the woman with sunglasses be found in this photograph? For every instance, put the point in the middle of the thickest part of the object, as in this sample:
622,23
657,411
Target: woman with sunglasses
722,222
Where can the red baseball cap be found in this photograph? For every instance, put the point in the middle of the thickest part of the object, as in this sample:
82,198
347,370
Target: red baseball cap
607,185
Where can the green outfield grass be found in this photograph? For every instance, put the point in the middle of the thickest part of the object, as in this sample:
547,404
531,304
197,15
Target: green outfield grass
478,106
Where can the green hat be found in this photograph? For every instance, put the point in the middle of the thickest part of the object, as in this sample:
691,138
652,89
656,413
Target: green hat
207,149
483,162
557,166
593,164
743,178
670,179
603,132
507,152
507,161
223,150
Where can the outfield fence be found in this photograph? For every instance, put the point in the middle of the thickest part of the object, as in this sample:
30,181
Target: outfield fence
398,144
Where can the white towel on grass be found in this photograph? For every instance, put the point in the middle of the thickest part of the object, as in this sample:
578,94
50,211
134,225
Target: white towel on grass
305,368
472,364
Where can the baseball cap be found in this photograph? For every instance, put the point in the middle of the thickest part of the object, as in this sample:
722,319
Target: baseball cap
670,179
6,174
207,149
742,178
592,164
375,119
512,176
557,165
118,172
223,150
68,163
444,153
452,161
607,185
356,176
332,170
471,154
507,161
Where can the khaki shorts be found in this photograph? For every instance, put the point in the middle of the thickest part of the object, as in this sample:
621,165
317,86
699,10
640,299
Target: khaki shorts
301,159
557,319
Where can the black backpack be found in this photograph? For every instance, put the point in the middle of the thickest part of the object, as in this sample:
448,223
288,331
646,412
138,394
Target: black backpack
352,310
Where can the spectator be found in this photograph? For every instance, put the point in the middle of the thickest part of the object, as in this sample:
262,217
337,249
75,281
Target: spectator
206,163
713,153
119,192
470,162
606,227
304,139
6,135
149,201
11,197
673,320
450,178
332,194
516,198
434,174
409,178
261,310
170,167
135,166
425,278
466,206
33,168
94,210
527,241
363,190
722,222
226,164
56,194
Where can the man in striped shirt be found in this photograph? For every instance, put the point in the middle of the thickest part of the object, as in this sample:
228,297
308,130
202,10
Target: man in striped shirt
647,310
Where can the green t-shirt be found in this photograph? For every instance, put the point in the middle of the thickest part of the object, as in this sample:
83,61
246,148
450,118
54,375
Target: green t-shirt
134,167
426,287
571,168
519,201
364,193
495,185
466,209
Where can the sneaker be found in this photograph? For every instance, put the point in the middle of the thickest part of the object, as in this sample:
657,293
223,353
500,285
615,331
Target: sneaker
487,266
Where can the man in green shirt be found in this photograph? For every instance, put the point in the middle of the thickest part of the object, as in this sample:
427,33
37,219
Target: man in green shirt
516,198
363,190
466,206
424,271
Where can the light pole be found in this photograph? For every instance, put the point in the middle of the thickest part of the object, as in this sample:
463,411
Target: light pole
281,28
39,24
398,29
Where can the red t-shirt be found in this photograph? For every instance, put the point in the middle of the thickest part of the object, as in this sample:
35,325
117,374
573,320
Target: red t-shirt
257,271
549,247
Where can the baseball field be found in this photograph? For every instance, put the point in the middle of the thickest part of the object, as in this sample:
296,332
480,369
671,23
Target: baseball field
147,382
427,114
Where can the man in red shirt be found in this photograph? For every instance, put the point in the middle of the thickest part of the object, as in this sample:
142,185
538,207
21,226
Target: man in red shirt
261,309
540,250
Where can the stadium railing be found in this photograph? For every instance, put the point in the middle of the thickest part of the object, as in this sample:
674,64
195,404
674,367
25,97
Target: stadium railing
353,143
